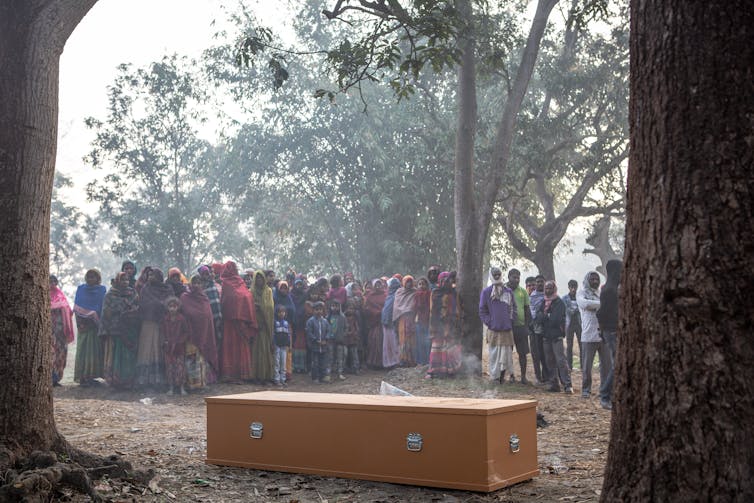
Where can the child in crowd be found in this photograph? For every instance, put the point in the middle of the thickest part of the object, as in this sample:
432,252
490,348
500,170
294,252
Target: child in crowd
353,325
338,348
175,331
317,335
282,343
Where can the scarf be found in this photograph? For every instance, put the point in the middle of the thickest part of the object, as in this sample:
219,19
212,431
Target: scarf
497,284
152,298
88,301
387,310
284,299
589,293
142,279
374,301
119,311
237,301
404,300
264,302
550,298
59,301
132,278
196,309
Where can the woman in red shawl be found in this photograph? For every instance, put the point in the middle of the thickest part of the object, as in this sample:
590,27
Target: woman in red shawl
239,326
374,301
404,314
201,350
61,317
423,342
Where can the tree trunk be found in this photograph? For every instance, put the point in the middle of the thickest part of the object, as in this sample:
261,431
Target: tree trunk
469,255
543,259
32,35
684,407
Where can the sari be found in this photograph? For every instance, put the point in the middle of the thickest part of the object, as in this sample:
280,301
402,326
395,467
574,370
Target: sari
201,348
423,342
444,330
404,313
390,349
88,308
239,326
61,318
119,331
374,301
150,359
264,364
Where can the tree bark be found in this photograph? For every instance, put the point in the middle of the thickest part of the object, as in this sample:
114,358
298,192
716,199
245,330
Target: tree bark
684,407
32,36
468,252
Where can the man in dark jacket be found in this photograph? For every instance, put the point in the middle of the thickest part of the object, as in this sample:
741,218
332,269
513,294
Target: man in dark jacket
551,314
608,319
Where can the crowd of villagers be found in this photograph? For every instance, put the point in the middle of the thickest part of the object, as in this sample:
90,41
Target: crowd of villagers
223,325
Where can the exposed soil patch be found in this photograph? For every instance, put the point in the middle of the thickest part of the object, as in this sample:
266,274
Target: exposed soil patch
169,437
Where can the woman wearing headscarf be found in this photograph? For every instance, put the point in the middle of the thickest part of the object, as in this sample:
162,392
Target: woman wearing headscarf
337,291
129,268
421,301
404,315
61,318
119,331
201,349
374,301
444,329
299,351
551,313
150,365
143,279
390,349
264,361
177,282
239,326
88,309
212,290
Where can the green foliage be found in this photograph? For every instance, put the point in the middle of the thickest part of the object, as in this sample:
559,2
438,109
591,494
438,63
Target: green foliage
159,192
70,229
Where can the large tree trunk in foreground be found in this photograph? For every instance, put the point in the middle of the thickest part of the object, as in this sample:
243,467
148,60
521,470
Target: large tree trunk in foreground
32,36
684,410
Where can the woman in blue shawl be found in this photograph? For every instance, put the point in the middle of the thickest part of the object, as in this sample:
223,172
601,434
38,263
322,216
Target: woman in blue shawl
391,353
88,309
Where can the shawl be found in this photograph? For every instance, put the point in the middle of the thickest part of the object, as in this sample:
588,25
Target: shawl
338,294
142,279
374,301
118,311
263,302
59,301
404,302
281,299
198,313
177,286
88,301
152,298
443,297
589,293
549,299
421,302
218,269
236,300
175,270
299,296
387,309
497,284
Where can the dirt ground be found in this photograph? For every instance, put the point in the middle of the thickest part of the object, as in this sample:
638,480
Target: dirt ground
168,435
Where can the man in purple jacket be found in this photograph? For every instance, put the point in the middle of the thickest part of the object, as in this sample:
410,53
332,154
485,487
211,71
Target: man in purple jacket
497,307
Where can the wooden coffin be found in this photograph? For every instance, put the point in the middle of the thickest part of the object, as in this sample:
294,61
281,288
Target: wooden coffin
460,443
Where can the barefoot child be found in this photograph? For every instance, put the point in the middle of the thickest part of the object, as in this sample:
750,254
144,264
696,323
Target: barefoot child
175,331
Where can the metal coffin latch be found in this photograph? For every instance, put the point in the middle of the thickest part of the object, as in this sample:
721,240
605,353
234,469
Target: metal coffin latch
255,430
515,443
414,442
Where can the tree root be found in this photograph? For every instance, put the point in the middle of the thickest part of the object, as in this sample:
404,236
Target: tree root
42,475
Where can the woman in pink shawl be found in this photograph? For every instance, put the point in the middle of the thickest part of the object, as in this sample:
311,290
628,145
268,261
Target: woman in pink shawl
404,316
61,318
201,351
239,326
